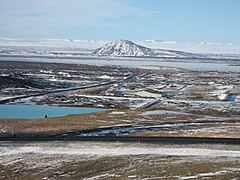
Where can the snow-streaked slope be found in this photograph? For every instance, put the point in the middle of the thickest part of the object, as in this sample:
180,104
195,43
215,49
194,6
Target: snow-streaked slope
174,54
128,48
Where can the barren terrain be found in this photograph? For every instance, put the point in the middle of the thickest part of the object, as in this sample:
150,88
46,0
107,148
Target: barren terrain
152,101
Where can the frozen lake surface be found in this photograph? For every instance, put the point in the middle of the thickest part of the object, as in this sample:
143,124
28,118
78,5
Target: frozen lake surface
39,111
194,65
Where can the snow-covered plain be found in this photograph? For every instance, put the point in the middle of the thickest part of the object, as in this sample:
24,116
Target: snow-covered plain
194,47
85,44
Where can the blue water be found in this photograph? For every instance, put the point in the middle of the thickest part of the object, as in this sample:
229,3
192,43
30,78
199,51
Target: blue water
39,111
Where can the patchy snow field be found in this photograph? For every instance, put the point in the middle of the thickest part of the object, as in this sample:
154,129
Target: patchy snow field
92,160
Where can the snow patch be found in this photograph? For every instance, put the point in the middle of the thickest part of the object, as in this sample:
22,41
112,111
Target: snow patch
118,112
161,112
105,77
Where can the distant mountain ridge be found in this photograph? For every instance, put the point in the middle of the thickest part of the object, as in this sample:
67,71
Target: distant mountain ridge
129,49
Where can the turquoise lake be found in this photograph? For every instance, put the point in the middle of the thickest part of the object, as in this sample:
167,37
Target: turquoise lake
39,111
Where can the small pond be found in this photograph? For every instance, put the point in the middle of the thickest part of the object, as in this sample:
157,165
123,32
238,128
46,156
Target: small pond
40,111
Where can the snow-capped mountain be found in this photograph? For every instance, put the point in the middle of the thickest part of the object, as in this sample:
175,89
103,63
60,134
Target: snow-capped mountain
123,48
130,49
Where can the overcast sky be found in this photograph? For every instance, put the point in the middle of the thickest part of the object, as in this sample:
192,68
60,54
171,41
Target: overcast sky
179,20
